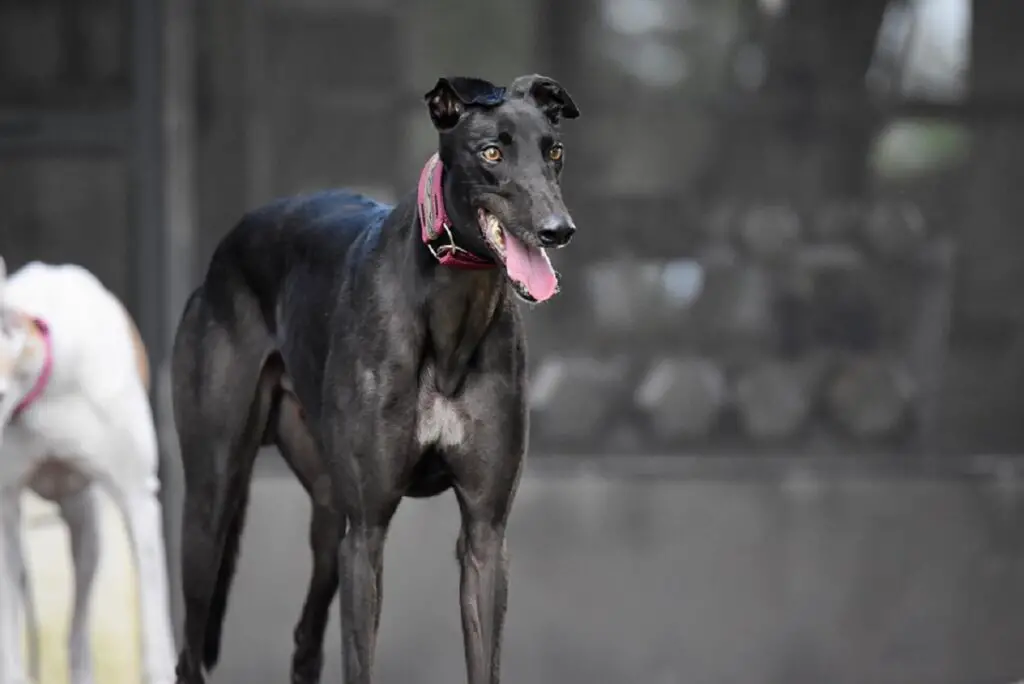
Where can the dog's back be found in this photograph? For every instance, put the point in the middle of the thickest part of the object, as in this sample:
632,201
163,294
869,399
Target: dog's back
284,260
314,232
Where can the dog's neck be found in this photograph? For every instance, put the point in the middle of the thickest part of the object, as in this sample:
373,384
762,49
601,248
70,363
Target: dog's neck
440,210
464,287
459,315
459,304
29,367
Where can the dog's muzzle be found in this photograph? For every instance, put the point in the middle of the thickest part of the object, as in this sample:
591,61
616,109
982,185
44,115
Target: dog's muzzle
527,266
556,231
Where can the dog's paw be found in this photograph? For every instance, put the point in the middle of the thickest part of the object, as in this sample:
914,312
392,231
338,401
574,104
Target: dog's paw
307,669
166,679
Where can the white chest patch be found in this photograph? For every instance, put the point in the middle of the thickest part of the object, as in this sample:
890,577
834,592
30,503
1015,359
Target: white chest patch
440,421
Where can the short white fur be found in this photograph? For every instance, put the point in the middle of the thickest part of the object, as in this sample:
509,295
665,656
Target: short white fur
440,421
92,426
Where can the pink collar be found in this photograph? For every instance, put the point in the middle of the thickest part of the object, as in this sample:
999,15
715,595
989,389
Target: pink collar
434,221
44,375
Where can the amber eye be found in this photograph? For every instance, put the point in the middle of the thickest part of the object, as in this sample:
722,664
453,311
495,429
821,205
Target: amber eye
492,153
555,153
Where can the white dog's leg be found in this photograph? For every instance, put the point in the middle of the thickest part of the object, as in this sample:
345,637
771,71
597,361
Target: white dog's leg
134,490
12,666
80,515
31,621
145,525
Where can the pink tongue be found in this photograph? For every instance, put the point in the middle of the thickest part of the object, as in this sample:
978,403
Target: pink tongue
530,267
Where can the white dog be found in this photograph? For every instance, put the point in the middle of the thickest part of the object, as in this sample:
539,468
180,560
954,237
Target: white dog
74,413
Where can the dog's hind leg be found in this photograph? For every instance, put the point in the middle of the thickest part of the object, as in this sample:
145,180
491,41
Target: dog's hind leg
78,511
142,511
326,529
324,537
221,405
133,487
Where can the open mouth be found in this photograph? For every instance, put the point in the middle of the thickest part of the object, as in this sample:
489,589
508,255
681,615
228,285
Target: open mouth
527,266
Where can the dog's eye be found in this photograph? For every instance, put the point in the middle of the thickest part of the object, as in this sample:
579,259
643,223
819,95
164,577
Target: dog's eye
555,153
491,153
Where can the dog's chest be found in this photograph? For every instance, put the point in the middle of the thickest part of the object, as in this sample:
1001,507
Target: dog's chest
66,429
440,421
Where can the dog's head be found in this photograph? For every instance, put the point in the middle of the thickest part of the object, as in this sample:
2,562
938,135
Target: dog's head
15,332
503,158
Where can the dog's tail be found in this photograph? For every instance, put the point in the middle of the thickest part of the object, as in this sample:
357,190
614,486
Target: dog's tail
242,481
223,397
229,561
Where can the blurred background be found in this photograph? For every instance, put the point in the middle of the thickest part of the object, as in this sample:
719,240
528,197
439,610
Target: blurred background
776,406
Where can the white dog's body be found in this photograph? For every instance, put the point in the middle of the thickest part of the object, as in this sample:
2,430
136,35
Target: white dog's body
70,348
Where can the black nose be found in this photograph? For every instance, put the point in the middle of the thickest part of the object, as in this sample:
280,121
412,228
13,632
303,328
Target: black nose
556,231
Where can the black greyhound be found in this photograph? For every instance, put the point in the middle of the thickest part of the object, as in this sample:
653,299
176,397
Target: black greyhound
380,348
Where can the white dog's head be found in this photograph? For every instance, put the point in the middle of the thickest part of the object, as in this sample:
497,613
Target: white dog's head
15,332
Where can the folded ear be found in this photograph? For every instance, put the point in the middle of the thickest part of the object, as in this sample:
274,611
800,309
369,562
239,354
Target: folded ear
547,94
450,99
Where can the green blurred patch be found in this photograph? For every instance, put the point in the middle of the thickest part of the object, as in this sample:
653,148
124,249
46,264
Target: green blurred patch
909,148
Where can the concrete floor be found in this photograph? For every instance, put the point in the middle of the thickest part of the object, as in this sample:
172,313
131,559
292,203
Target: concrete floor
805,579
855,579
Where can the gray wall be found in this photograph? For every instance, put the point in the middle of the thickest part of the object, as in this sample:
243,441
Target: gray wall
795,577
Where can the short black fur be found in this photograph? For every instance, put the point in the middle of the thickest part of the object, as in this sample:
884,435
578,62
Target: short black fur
325,327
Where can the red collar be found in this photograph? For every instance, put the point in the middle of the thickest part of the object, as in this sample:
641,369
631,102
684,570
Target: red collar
434,221
44,375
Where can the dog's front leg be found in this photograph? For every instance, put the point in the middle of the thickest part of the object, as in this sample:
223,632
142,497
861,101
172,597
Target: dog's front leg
369,499
361,568
483,595
79,513
31,617
12,666
486,480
